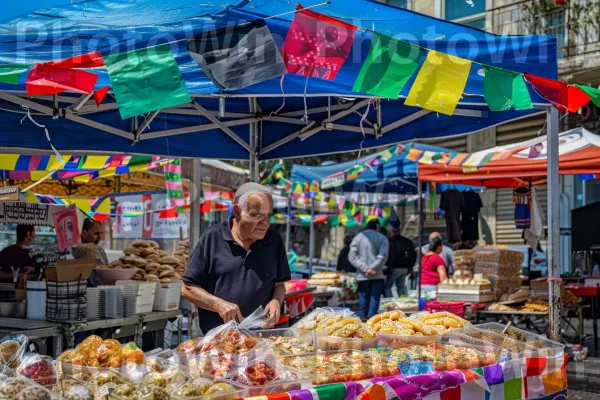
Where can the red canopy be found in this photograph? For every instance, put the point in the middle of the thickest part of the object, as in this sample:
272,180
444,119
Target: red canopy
518,164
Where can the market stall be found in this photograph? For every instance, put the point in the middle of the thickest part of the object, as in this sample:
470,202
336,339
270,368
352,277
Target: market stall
329,353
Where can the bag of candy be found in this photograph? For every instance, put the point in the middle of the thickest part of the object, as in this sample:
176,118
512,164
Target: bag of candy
39,369
12,350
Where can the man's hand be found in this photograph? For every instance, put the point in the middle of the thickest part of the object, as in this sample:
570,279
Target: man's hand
228,311
273,311
370,272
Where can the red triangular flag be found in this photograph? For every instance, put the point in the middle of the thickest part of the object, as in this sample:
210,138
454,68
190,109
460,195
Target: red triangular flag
101,217
90,60
555,92
100,94
47,80
317,45
168,213
577,99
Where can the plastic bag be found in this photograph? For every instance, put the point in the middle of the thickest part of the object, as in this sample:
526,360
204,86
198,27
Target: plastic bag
311,321
195,388
256,320
12,350
39,369
261,371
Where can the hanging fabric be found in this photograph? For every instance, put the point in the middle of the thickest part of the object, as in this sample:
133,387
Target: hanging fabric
522,201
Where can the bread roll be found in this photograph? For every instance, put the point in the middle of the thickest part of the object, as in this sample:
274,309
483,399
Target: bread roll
131,251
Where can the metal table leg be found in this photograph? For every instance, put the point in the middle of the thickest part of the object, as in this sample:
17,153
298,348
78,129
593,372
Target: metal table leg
69,332
581,335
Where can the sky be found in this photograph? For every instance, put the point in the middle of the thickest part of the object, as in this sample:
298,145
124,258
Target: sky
13,9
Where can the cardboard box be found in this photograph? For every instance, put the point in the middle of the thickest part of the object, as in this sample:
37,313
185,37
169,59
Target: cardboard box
70,270
540,284
167,296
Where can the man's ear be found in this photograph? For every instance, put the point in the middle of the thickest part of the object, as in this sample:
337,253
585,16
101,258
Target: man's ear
237,211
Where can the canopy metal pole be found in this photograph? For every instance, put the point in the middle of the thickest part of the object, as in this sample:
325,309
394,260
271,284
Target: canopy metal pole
553,224
311,239
195,226
288,223
420,238
254,141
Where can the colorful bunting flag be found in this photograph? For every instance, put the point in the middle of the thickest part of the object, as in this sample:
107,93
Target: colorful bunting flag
174,184
285,186
504,90
146,80
90,60
235,58
317,45
577,99
440,83
593,93
48,80
556,92
389,65
9,73
100,94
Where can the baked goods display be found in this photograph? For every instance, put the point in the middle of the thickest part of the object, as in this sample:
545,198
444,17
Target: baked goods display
183,251
400,304
341,366
108,353
341,324
419,324
203,387
39,369
449,356
465,260
325,279
12,349
284,345
501,266
152,263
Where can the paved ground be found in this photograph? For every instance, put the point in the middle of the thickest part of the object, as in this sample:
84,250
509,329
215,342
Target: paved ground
579,395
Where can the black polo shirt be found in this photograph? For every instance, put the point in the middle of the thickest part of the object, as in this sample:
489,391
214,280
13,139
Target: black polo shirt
225,269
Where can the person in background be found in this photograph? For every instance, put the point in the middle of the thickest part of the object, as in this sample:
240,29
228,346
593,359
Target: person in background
343,264
401,260
447,253
368,254
16,256
239,265
433,266
92,233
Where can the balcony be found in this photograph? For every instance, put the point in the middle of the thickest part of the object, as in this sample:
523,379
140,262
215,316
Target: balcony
575,25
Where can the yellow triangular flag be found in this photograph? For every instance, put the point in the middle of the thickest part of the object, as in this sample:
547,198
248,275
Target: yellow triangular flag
440,83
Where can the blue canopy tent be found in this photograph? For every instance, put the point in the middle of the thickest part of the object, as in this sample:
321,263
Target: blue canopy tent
320,118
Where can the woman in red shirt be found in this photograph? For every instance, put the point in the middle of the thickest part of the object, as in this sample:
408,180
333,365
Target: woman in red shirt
433,266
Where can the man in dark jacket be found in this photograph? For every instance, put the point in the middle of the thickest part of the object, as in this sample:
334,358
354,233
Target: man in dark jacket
342,262
400,261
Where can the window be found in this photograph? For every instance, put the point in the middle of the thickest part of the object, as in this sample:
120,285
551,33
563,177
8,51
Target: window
467,12
397,3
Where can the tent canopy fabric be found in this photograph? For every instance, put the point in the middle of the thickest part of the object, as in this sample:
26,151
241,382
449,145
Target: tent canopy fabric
398,175
111,26
519,164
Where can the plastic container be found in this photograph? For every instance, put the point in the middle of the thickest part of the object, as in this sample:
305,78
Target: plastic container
36,300
287,379
454,307
237,392
331,343
557,349
362,366
515,348
305,337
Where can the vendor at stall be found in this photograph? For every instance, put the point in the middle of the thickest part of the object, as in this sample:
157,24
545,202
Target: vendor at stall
92,232
433,266
239,265
16,257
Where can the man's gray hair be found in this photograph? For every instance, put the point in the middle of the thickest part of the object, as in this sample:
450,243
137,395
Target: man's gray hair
241,195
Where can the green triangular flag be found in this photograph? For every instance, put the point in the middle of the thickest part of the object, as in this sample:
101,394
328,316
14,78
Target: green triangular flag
389,65
592,92
146,80
333,220
9,73
504,90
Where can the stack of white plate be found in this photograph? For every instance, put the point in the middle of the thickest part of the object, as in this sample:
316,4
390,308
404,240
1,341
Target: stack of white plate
112,302
130,293
94,303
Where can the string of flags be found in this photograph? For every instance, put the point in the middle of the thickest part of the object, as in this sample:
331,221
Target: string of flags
316,46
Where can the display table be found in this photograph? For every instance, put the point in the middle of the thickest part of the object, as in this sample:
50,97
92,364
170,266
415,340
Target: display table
540,378
35,330
591,294
530,319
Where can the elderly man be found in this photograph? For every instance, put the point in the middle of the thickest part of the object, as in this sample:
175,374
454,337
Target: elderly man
239,265
447,253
